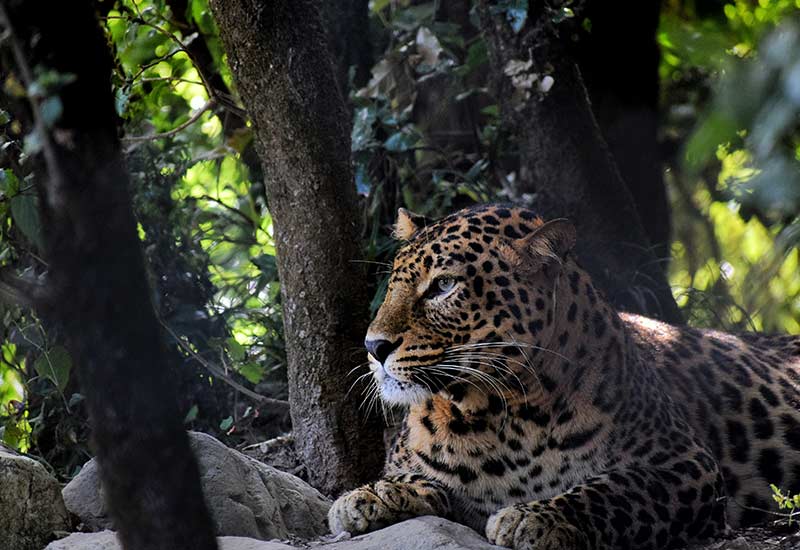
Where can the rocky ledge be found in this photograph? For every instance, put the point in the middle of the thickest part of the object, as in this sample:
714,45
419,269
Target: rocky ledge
255,506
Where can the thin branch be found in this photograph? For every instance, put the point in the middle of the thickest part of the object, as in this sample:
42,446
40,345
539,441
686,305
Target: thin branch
169,79
214,94
151,137
231,209
219,373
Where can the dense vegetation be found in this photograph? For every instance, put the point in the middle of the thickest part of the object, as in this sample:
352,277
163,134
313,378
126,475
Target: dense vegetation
427,135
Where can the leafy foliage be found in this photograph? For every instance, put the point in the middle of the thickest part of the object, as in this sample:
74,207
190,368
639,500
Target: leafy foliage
788,502
731,104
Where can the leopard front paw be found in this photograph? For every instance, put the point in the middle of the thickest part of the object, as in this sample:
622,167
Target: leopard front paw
359,511
532,527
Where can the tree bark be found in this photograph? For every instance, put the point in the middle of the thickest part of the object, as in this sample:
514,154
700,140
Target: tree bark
97,293
566,163
624,98
285,75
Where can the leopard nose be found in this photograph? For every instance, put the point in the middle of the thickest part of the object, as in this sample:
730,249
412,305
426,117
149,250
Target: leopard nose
381,349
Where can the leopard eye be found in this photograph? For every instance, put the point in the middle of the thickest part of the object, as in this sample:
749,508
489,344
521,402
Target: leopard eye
442,285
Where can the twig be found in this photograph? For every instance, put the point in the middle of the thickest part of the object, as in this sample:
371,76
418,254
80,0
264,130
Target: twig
194,118
231,209
169,79
212,92
219,373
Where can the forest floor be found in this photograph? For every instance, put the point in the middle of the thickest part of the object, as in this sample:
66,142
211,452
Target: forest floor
773,537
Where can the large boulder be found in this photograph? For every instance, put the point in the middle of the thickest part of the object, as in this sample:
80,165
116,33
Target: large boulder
246,498
31,509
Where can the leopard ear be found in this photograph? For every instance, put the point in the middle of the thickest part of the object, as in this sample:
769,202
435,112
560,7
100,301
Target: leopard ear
551,241
408,223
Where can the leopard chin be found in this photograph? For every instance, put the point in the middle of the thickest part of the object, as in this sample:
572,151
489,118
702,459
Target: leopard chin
398,392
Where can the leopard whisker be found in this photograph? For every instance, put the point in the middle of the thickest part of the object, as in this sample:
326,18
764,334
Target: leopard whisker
356,381
497,386
496,363
456,378
519,345
359,366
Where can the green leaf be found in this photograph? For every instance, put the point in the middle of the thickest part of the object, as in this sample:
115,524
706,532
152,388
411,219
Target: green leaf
491,110
9,184
401,141
477,55
254,372
378,5
13,435
25,213
55,365
236,350
191,416
226,424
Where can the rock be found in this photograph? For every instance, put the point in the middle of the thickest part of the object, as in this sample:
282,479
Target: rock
246,498
279,453
107,540
84,498
422,532
31,508
413,534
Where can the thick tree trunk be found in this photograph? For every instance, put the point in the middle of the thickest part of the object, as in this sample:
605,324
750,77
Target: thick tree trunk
97,293
624,97
285,75
566,162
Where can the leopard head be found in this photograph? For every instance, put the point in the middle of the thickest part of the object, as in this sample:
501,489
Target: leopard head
470,300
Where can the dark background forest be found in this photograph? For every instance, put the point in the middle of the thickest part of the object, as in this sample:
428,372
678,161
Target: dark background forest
670,133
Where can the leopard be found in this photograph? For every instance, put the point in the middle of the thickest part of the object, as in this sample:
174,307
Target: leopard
538,414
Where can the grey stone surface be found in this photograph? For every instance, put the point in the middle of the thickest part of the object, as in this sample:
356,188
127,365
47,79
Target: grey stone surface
84,498
31,509
246,498
424,533
107,540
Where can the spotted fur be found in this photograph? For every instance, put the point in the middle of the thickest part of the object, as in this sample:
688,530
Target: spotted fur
539,414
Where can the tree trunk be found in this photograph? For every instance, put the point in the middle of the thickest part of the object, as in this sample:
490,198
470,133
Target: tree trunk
97,293
624,98
285,75
565,161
